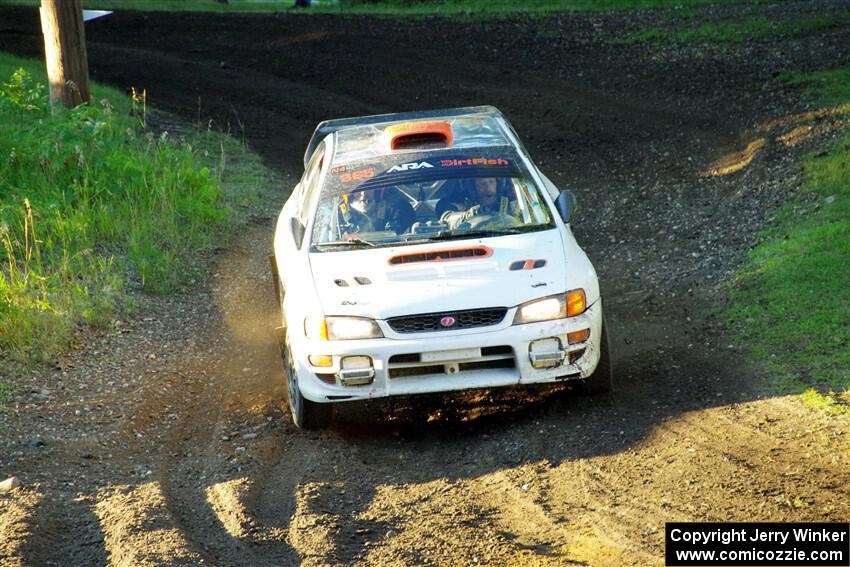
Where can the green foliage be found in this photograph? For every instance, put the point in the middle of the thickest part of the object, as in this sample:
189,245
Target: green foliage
90,203
10,64
830,87
391,7
177,5
792,298
506,6
20,94
753,29
6,392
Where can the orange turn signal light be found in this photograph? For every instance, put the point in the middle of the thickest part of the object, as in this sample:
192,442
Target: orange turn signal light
578,336
576,302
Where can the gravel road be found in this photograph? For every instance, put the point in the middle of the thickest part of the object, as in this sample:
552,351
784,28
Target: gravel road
165,440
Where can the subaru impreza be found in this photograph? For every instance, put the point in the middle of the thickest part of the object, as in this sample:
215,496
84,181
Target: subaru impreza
425,252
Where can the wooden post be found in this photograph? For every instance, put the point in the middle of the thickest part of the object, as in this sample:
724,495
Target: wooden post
65,51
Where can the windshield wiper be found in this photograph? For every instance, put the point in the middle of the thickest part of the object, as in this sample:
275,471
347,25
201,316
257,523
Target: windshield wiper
459,233
355,242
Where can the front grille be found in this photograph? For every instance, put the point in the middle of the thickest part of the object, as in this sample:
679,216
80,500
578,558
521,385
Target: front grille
440,369
429,322
417,371
493,357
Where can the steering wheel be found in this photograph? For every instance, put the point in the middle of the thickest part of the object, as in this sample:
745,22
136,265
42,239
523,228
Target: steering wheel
491,220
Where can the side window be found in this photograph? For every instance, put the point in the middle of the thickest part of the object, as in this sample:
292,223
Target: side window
311,182
309,185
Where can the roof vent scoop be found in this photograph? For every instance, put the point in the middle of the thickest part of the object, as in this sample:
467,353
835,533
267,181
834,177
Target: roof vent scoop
419,135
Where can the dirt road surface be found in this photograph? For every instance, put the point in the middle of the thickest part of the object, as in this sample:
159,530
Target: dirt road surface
164,441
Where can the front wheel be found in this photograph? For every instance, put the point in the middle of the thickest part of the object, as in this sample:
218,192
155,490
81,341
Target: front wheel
305,414
600,381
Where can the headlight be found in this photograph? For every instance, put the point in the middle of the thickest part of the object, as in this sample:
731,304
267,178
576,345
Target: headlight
341,328
556,306
552,307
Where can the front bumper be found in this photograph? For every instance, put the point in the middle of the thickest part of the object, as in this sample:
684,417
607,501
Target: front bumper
445,361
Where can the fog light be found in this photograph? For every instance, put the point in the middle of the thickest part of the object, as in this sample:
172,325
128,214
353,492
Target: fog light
356,371
322,360
578,336
355,362
546,353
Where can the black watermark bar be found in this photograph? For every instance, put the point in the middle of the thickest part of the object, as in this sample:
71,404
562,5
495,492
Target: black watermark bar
745,544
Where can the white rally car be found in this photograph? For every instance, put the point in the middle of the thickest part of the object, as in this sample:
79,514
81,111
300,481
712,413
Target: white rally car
425,252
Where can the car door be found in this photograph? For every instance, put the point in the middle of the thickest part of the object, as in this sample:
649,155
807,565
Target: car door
290,235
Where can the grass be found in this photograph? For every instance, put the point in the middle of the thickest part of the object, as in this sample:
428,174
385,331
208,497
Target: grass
10,63
466,7
829,88
5,394
752,29
92,205
174,5
390,7
791,300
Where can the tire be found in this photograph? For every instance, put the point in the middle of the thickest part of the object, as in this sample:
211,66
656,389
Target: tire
278,286
600,381
305,414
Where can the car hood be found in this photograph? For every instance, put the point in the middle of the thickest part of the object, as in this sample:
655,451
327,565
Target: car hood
366,283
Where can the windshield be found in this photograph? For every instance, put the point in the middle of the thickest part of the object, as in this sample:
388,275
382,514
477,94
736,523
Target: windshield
434,196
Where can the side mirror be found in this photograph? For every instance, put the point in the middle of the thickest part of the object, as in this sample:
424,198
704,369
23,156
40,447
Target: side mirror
297,231
564,204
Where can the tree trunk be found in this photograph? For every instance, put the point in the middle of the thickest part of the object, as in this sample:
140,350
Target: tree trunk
65,51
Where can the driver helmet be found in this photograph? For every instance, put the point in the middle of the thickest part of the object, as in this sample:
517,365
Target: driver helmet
489,192
366,200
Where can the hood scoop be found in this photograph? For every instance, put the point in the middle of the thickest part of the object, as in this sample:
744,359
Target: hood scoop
471,253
